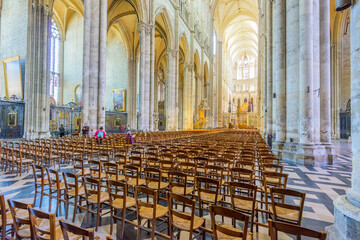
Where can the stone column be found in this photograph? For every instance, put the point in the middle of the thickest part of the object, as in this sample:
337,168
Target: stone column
37,104
325,80
145,31
94,69
185,97
269,59
261,110
279,70
305,72
219,85
131,104
188,83
171,120
347,207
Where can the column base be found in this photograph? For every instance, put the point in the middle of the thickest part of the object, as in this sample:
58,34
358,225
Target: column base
347,221
308,155
35,135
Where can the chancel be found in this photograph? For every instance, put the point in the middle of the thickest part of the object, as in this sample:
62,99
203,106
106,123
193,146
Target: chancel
180,119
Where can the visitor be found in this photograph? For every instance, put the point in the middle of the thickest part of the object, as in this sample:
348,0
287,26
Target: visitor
85,129
100,135
128,135
62,130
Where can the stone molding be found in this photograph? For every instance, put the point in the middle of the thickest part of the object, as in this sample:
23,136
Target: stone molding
145,28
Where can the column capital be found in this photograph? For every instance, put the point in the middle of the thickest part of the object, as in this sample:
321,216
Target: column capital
145,28
188,66
172,53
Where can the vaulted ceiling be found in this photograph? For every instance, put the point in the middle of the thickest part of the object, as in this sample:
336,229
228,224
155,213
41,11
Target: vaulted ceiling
236,25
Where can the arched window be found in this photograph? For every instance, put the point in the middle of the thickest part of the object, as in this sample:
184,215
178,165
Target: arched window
55,61
252,68
239,70
246,68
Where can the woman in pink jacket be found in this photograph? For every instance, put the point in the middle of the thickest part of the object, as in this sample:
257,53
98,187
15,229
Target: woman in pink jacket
100,135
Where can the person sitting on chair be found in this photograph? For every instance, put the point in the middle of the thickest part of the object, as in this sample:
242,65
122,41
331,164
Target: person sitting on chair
100,135
62,130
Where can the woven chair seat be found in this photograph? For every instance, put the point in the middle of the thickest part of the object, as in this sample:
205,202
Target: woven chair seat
180,190
96,175
286,214
243,204
132,182
119,203
119,178
104,196
81,192
147,212
210,197
183,224
155,185
223,236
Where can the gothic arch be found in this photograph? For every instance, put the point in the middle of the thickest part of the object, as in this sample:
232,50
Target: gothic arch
163,24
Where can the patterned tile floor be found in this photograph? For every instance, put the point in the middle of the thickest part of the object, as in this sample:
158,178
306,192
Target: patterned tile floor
321,184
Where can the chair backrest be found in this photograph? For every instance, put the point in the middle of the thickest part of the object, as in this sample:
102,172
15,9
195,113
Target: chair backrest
79,167
71,182
95,168
149,193
234,232
208,185
41,232
177,179
92,187
39,176
117,190
53,177
214,172
20,215
78,231
279,202
274,179
132,172
275,227
152,175
3,216
243,191
111,170
242,175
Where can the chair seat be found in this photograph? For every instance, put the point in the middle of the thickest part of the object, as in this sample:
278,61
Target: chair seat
104,196
147,212
243,204
61,186
119,203
119,177
180,190
96,175
184,224
223,236
24,231
155,185
81,192
286,214
210,197
132,182
9,219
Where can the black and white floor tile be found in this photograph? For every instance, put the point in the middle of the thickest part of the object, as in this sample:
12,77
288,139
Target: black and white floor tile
321,185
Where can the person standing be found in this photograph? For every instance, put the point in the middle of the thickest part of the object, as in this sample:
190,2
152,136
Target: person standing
100,135
85,129
62,130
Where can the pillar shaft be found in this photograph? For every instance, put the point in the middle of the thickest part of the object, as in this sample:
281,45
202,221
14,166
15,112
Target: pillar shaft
94,69
279,68
219,84
37,71
269,59
325,77
305,72
171,120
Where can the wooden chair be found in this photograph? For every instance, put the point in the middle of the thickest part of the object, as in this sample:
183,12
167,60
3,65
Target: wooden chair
133,176
242,175
79,167
73,190
41,183
243,199
119,200
282,210
20,216
67,228
224,231
19,162
94,197
96,170
178,184
112,172
5,218
150,211
153,177
275,227
44,226
183,220
57,187
208,192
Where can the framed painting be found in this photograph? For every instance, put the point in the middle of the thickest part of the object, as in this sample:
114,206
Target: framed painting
119,100
78,95
12,119
118,122
13,80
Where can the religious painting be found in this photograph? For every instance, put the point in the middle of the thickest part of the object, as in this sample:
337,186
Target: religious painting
13,80
118,122
78,95
119,100
12,119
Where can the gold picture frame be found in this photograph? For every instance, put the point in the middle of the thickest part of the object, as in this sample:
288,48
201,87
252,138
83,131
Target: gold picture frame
119,100
118,122
12,119
13,78
77,95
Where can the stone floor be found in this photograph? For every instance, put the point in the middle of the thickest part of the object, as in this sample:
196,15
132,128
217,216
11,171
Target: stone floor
321,184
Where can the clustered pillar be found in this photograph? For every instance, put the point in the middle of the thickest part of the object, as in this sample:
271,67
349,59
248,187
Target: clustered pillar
37,109
94,69
347,207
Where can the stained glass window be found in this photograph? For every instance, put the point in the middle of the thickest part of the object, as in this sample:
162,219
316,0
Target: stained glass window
55,61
